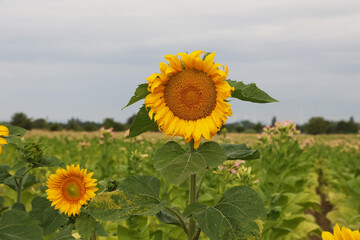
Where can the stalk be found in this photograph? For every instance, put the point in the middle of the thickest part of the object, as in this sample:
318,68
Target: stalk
19,190
192,197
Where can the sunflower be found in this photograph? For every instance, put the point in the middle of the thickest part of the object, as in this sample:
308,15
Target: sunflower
4,131
70,189
343,234
188,96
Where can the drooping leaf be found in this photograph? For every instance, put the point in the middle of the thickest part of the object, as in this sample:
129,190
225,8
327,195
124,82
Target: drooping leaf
85,225
167,217
140,93
136,195
240,214
16,224
51,161
249,92
142,123
64,234
15,131
49,218
240,151
176,165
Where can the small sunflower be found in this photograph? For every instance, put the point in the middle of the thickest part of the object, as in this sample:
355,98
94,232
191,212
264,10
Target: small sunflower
343,234
4,132
188,96
70,189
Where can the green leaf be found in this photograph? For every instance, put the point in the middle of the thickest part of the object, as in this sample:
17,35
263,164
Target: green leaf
136,195
19,206
140,93
240,214
240,151
4,172
64,234
85,225
16,141
28,180
249,92
167,217
142,123
15,131
16,224
176,165
49,218
50,162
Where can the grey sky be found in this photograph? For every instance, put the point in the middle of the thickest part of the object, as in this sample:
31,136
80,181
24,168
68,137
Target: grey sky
84,58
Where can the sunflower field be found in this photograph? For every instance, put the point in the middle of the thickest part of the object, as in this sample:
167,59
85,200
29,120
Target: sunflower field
197,182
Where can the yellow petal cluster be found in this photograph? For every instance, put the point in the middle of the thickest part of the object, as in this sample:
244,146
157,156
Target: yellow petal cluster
70,188
4,132
188,97
343,234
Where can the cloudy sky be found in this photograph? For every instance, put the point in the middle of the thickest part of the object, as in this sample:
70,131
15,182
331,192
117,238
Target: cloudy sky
84,58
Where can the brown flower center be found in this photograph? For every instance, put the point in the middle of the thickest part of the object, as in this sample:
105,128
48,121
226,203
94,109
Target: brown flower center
73,189
190,94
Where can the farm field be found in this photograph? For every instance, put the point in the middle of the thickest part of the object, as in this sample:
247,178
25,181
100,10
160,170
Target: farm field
307,183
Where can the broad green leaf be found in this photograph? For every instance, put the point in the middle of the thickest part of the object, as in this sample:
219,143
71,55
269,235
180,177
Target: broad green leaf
240,214
167,217
176,165
16,224
85,225
15,131
240,151
4,172
49,218
140,93
64,234
354,184
142,123
16,141
136,195
249,92
50,162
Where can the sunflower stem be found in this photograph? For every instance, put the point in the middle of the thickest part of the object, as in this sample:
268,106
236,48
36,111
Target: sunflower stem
183,224
192,196
19,190
93,237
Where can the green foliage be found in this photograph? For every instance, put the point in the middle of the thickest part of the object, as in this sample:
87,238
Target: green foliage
240,214
142,123
249,92
49,218
63,234
87,226
240,151
136,195
176,165
16,224
140,93
21,120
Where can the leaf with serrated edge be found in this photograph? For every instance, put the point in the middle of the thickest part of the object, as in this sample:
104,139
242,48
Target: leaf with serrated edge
249,92
176,165
142,123
240,214
240,151
137,195
140,93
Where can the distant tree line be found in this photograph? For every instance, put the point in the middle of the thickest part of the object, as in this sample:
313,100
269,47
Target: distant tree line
315,125
22,120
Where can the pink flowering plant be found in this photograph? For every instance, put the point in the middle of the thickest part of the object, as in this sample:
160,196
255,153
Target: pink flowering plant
235,170
280,132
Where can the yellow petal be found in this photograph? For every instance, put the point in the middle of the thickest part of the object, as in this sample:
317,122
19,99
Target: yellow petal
2,141
327,236
174,62
4,131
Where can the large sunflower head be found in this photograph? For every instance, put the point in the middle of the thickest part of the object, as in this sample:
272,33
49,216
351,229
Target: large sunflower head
70,188
4,132
344,233
188,96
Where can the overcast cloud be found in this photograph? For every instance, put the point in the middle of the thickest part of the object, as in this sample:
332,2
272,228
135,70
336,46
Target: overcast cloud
84,58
